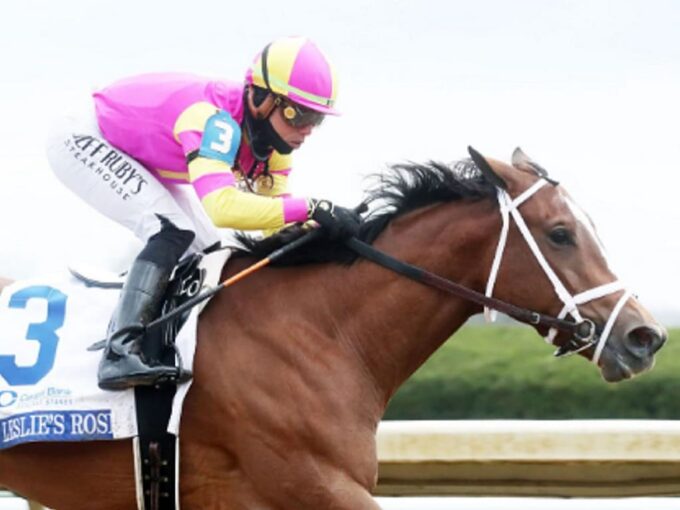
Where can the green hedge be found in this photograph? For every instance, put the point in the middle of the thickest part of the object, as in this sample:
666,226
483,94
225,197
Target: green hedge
508,372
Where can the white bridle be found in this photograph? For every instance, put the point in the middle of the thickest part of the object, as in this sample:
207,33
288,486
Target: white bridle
510,207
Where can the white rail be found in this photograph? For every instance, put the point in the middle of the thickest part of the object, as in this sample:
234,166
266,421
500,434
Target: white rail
579,458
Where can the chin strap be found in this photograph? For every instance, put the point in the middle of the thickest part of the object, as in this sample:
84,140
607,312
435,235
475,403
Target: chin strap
262,136
274,139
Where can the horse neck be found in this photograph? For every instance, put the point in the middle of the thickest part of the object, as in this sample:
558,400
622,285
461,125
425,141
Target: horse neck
396,323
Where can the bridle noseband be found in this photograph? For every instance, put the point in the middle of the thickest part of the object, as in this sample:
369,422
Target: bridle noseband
585,335
583,332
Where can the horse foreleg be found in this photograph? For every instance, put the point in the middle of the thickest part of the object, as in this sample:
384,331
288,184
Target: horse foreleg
95,475
355,497
363,500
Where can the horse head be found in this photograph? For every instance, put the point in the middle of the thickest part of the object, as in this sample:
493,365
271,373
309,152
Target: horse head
559,240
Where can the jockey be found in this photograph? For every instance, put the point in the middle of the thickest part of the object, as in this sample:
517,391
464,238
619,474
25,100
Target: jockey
152,137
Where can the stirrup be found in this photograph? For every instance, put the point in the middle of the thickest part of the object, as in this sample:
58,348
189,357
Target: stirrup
155,376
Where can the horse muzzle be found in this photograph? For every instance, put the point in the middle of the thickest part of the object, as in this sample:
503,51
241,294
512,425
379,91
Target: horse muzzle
645,340
632,353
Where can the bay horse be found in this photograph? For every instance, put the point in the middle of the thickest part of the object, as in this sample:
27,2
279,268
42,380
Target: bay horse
295,365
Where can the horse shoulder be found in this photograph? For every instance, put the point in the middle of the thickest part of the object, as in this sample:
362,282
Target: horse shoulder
262,393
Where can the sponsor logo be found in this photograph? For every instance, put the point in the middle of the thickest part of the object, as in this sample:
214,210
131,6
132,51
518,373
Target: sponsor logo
111,165
51,396
7,398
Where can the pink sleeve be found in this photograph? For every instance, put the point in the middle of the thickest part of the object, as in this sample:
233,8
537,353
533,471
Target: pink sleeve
294,210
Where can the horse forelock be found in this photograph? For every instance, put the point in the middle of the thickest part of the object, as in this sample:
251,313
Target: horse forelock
402,188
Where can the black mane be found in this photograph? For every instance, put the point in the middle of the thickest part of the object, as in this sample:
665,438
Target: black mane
403,188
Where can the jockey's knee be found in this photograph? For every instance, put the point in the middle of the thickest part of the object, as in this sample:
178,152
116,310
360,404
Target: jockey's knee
167,246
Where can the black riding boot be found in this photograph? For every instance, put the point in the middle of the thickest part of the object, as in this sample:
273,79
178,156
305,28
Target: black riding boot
124,364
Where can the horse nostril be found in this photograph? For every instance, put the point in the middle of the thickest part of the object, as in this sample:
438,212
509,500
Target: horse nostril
650,338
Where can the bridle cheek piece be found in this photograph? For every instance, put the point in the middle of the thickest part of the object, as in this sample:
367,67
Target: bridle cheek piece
584,334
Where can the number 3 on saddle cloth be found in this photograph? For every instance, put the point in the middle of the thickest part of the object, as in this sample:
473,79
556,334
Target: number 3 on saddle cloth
48,378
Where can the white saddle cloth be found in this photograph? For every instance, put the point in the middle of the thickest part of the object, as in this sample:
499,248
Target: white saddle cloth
48,379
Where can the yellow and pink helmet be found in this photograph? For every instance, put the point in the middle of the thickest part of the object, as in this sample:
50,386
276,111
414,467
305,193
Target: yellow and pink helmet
295,68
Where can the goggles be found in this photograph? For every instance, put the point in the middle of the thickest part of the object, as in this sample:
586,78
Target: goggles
298,116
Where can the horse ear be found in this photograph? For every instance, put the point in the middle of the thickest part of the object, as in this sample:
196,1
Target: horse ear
486,169
520,159
523,162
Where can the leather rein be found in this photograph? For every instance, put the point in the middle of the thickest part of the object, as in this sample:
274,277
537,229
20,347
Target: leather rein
582,331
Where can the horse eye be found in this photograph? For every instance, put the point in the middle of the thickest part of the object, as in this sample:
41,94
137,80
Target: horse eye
561,237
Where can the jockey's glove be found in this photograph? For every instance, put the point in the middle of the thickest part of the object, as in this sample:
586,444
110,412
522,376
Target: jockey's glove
338,222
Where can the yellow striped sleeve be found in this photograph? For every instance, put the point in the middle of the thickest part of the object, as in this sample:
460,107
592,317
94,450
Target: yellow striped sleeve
203,166
193,118
229,207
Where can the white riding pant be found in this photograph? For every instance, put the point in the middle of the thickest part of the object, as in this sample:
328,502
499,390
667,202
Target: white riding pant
120,187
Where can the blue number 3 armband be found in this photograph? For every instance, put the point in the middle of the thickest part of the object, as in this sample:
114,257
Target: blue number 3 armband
221,138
